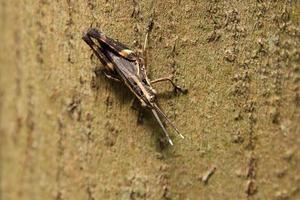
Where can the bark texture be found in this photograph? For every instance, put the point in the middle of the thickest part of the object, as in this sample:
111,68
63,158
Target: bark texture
67,134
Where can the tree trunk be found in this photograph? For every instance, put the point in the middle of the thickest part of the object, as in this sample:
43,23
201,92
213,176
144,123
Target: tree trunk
69,134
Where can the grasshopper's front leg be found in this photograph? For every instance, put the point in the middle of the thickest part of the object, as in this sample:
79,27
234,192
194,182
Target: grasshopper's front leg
176,87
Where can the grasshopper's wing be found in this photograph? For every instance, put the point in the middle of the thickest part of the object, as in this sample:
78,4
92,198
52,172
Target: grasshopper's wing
119,48
99,52
135,64
123,61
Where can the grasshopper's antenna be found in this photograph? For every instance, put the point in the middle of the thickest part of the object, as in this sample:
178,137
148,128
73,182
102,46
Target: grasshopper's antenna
167,119
92,24
162,126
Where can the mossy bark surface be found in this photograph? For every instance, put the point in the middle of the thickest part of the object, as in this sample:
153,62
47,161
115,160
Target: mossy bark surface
68,134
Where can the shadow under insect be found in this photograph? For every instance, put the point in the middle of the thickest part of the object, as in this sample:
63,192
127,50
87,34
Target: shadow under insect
124,96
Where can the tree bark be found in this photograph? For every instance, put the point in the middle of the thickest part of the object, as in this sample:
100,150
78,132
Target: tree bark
68,134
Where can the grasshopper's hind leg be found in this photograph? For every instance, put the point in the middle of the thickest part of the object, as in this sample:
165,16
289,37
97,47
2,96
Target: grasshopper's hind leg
176,87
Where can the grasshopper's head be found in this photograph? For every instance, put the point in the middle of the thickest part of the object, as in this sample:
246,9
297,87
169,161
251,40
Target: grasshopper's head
152,95
147,94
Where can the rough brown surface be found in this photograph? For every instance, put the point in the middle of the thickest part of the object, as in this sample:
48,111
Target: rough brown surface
66,134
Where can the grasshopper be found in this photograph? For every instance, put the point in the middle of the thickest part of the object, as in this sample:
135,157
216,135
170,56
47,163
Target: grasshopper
124,65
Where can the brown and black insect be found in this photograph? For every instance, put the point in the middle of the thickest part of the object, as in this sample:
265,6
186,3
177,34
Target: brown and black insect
124,65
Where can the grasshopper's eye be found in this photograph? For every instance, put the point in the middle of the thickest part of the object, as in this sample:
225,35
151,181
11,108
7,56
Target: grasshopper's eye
145,82
152,98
